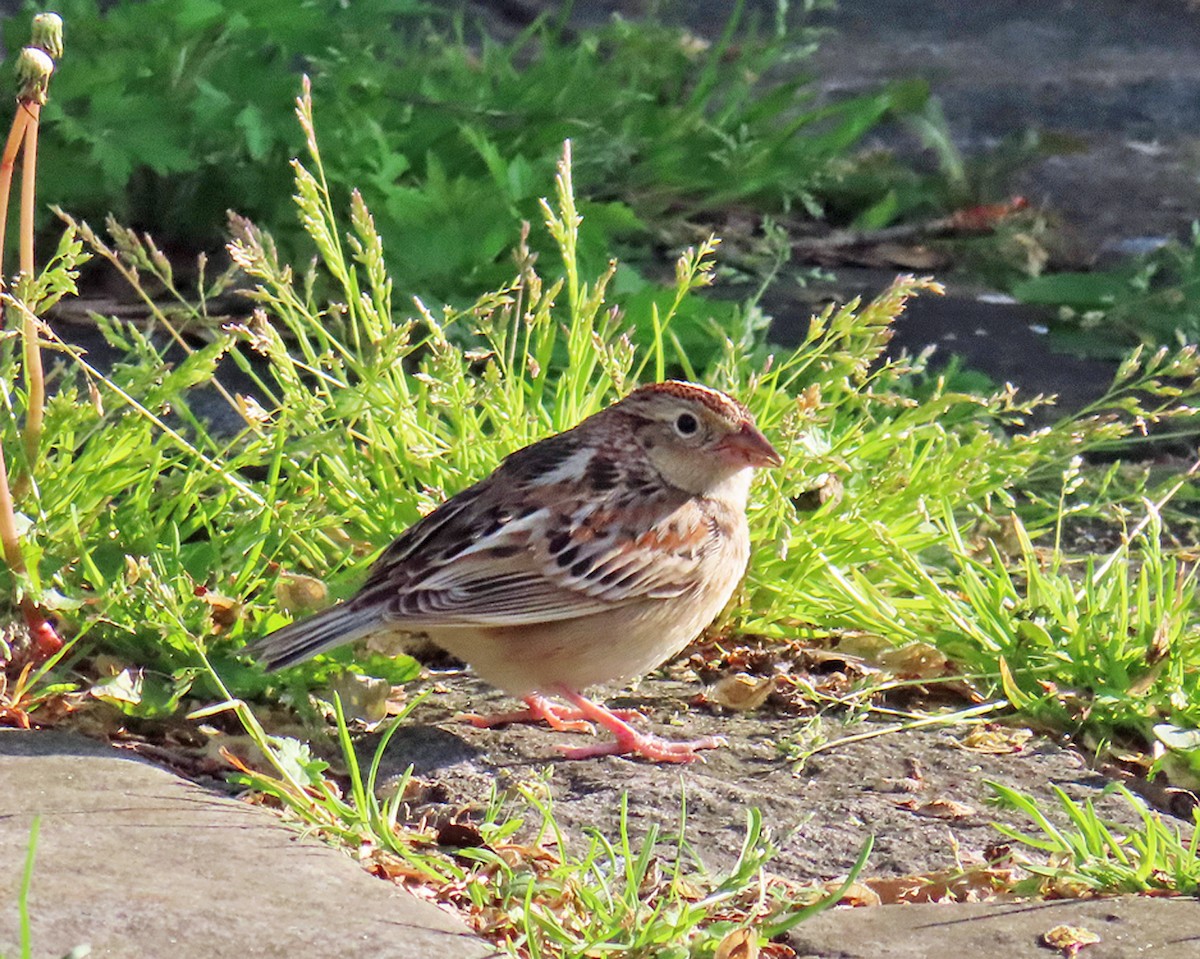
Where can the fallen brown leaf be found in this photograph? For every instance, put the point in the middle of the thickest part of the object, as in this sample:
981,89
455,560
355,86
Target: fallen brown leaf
460,835
916,661
741,692
971,884
938,808
298,593
739,944
1069,939
224,611
996,740
858,894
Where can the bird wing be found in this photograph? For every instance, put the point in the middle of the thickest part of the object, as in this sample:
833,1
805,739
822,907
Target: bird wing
477,562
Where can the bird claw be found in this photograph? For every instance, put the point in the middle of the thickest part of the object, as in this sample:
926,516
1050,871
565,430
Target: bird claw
650,747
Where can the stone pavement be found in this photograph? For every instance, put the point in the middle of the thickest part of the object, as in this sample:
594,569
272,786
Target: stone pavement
139,863
1129,928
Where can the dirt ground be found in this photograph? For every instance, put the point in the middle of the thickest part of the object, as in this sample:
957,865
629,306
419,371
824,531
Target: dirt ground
923,793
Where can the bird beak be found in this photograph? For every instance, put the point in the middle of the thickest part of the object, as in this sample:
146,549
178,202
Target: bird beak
749,446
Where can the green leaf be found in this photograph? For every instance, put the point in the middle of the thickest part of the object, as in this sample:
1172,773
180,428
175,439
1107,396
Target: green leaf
1080,291
252,123
199,14
879,214
298,760
395,669
144,695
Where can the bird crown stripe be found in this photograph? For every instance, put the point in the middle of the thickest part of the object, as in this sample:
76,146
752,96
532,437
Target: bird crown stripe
715,400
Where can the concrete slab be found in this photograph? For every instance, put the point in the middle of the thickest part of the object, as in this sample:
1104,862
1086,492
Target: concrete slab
1129,928
137,862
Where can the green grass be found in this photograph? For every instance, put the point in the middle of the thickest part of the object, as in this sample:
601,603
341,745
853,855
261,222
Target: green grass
1102,644
23,890
170,112
1090,856
188,532
160,539
24,929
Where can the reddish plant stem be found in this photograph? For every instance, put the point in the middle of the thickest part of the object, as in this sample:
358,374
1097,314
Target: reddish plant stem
35,377
29,184
45,640
16,136
24,132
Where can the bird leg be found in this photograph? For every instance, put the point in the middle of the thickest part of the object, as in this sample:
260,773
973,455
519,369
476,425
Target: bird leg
628,740
538,708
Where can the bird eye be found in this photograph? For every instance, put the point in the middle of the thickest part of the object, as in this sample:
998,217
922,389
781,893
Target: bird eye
686,424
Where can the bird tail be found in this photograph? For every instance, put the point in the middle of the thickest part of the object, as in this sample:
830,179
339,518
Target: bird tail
305,638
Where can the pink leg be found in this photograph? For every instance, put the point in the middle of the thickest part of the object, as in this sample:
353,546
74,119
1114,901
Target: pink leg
629,740
562,719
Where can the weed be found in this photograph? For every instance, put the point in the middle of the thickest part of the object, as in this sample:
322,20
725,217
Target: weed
1150,300
799,749
34,68
26,884
173,111
1104,645
362,422
1091,856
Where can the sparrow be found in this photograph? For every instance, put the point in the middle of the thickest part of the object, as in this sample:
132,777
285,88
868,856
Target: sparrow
591,556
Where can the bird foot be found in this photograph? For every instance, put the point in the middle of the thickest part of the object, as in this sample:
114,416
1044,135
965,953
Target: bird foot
563,719
627,740
651,747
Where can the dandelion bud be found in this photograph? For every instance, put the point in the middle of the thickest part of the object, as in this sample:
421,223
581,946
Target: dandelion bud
48,34
34,67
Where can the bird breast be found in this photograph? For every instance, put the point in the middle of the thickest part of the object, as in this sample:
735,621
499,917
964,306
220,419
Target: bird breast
626,641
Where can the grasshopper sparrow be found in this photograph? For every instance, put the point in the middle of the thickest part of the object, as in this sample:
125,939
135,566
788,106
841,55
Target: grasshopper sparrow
588,557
